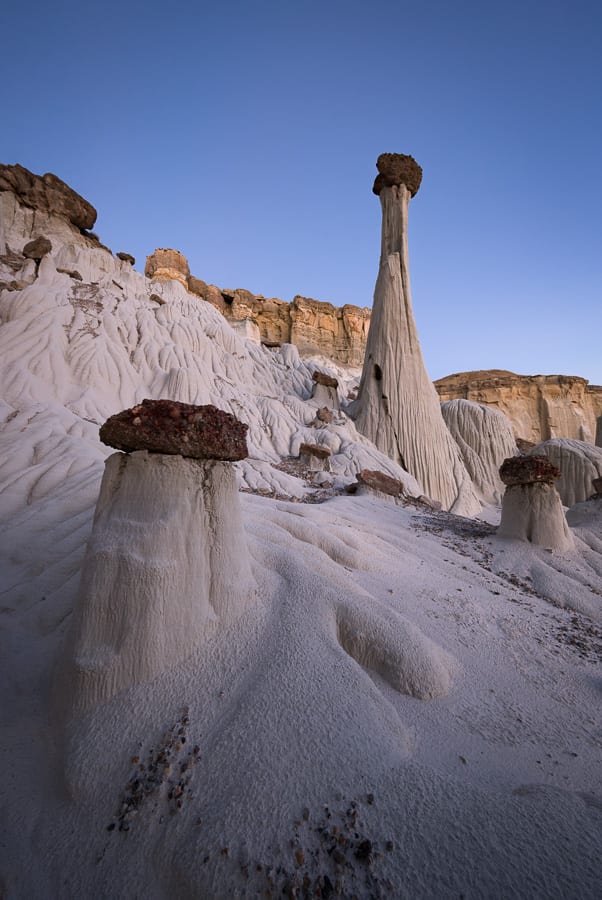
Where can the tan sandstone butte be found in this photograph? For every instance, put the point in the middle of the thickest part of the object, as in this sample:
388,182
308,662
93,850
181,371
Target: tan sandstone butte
540,407
315,327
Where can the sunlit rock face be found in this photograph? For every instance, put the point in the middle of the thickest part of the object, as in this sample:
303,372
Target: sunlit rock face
539,407
397,406
315,327
167,265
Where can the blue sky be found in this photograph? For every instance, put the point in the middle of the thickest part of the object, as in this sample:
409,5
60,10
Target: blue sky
245,135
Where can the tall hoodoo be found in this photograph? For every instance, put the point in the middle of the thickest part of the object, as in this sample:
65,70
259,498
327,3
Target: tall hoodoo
397,406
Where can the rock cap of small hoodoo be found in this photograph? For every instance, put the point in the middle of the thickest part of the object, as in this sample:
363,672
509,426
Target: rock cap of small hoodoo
528,470
324,379
397,168
167,426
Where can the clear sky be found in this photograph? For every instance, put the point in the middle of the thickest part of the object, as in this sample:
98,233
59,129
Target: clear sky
245,135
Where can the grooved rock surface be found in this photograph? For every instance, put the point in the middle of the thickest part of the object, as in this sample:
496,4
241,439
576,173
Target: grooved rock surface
167,265
167,556
167,426
528,470
580,464
397,406
48,193
484,436
539,406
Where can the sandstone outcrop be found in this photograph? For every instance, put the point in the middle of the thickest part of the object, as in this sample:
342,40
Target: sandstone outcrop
315,327
167,265
126,257
531,508
580,464
48,193
540,407
397,406
167,426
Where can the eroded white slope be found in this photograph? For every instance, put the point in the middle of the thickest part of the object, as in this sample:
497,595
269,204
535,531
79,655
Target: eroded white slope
485,438
291,716
102,343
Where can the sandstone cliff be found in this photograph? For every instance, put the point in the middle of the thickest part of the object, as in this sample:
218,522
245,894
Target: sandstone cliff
540,407
315,327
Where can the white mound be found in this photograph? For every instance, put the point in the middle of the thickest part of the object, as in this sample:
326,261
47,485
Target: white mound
579,462
485,438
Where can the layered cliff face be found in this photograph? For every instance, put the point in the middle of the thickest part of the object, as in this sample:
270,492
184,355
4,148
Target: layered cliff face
315,327
540,407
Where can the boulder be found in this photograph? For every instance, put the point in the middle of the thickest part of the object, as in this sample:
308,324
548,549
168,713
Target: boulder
528,470
37,249
126,257
48,193
326,380
325,415
379,481
395,169
166,426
